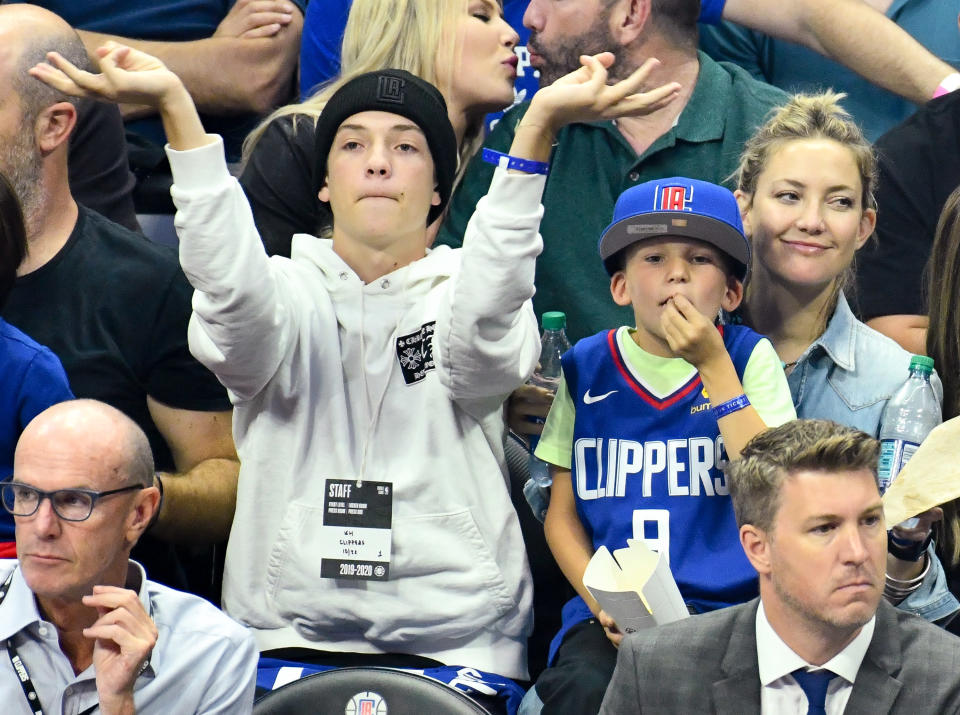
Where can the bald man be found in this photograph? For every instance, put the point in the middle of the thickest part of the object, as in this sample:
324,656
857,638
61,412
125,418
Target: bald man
83,628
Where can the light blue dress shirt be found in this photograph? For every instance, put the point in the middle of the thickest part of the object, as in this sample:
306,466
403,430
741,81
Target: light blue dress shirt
203,661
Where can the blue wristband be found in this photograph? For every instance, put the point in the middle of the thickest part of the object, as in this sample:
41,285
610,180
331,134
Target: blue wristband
514,162
734,405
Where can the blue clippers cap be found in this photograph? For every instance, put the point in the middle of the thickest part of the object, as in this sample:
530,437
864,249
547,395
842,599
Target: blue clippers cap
688,208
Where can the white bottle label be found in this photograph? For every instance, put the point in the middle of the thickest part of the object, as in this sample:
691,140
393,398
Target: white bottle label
894,454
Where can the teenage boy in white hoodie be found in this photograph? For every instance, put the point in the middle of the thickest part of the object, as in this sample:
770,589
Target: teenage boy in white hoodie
368,372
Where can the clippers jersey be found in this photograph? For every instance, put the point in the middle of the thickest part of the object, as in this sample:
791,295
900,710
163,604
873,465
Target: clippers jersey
644,466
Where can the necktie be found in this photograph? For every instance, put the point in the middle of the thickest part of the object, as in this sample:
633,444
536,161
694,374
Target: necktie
815,688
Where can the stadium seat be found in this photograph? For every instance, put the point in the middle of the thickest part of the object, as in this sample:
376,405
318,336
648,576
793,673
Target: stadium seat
366,691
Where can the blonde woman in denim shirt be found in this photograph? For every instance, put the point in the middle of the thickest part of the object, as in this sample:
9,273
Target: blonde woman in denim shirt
805,187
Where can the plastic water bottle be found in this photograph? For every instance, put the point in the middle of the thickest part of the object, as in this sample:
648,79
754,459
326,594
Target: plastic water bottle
553,344
907,419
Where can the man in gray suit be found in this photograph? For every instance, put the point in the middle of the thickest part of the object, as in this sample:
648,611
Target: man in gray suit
811,523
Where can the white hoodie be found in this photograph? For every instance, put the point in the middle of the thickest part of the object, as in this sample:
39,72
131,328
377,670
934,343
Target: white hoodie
311,359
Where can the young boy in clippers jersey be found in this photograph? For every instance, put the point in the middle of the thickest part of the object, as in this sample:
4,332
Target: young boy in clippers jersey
645,416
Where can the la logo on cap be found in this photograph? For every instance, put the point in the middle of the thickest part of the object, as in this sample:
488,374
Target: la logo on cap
390,89
672,198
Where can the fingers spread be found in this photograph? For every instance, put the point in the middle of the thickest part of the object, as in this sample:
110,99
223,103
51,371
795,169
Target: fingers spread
55,78
656,98
635,81
62,74
598,70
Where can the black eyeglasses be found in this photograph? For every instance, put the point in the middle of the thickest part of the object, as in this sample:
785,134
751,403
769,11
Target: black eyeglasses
68,504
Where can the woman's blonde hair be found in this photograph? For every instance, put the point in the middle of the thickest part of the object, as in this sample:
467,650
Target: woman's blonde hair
412,35
808,116
811,116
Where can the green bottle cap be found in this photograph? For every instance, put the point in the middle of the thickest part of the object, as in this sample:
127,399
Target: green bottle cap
921,362
553,320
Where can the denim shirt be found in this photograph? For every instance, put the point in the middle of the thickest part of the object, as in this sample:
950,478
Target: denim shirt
933,601
847,375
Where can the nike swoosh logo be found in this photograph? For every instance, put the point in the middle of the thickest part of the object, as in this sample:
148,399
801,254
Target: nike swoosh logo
589,399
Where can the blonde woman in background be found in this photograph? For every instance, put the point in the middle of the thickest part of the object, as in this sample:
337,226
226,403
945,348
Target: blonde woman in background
805,187
463,47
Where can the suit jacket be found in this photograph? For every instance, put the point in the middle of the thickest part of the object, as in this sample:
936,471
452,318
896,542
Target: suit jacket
708,664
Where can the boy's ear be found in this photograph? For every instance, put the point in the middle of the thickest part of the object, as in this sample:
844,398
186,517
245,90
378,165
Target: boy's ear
744,201
732,295
324,193
435,201
619,289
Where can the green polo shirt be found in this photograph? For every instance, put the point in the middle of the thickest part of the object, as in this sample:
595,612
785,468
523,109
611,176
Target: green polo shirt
592,164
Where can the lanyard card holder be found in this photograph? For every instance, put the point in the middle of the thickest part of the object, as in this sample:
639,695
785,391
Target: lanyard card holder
356,533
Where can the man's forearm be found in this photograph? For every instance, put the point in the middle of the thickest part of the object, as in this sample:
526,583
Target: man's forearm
225,75
853,34
198,505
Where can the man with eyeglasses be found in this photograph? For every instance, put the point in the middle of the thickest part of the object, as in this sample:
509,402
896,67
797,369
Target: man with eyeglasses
82,630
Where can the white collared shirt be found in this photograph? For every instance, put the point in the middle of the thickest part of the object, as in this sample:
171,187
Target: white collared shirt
780,694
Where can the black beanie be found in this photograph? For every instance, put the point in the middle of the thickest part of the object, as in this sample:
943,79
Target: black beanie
397,92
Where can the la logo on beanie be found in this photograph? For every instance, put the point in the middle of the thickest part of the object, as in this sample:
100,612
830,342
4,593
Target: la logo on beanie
390,89
672,198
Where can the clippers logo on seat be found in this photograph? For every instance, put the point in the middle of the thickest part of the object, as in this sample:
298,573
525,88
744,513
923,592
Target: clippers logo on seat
673,198
367,703
390,89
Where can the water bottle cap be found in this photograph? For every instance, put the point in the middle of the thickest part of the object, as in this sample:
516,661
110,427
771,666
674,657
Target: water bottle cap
921,362
553,320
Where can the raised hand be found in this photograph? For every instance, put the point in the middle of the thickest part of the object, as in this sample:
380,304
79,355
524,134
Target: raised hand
585,96
689,333
127,76
124,639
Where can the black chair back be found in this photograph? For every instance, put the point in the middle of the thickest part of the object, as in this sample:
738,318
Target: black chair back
366,691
